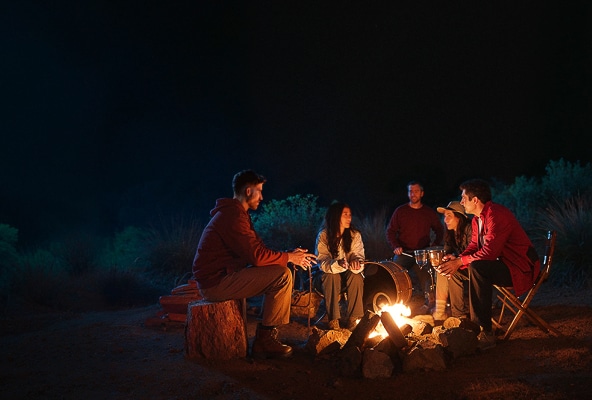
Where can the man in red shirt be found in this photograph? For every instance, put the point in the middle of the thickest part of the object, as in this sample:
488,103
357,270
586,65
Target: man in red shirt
500,252
412,227
232,262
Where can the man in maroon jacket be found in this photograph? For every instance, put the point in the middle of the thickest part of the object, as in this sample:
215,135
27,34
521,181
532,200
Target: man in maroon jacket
232,262
412,226
500,252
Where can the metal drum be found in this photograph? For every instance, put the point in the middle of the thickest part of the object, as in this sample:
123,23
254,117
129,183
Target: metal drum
385,283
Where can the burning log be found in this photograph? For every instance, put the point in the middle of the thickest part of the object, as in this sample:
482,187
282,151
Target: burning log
215,330
393,330
366,325
418,327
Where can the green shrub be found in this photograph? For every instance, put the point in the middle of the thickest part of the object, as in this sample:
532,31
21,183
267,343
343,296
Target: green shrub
79,252
572,219
129,249
565,180
560,200
373,228
41,280
126,288
286,224
524,197
528,196
172,249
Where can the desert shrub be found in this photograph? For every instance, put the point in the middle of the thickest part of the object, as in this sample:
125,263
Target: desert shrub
79,252
528,196
127,288
524,197
560,200
286,224
572,219
41,279
44,282
373,228
564,180
129,249
172,247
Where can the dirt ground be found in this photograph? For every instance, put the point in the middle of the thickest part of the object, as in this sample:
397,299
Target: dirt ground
114,355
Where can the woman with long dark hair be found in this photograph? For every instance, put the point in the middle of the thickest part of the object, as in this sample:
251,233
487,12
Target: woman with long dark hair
340,254
456,239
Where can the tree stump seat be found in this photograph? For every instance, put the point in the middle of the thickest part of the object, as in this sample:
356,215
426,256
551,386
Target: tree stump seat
216,330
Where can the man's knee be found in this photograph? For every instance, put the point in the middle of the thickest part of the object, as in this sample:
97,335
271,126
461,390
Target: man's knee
286,275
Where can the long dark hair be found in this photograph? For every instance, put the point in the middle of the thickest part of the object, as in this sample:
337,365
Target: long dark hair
331,225
458,240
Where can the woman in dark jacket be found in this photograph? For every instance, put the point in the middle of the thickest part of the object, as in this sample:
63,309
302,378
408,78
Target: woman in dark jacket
456,239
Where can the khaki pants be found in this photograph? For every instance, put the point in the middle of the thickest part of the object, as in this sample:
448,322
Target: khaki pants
354,287
274,282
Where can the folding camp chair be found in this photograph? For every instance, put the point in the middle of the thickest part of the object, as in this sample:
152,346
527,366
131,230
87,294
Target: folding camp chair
519,305
303,293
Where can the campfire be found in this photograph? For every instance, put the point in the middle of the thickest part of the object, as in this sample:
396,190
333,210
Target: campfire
399,313
390,340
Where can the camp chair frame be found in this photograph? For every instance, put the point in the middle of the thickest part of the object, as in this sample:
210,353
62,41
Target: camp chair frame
296,293
519,305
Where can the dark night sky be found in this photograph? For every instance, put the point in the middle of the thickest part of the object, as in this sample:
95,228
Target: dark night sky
113,114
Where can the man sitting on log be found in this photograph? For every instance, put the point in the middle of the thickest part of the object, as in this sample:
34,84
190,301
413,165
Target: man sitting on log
232,262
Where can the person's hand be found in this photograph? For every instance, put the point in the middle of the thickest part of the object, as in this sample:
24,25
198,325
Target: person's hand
398,251
302,258
448,257
449,267
355,265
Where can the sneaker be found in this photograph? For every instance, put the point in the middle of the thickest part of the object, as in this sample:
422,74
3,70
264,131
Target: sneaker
486,340
334,324
439,316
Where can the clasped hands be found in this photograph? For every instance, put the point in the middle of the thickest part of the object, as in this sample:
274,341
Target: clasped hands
450,264
354,265
302,258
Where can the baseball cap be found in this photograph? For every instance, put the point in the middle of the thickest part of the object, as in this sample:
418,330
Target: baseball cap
453,206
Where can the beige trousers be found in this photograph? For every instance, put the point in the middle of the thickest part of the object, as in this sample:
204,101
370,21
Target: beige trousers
274,282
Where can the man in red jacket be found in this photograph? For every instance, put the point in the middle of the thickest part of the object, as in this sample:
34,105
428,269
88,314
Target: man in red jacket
500,252
232,262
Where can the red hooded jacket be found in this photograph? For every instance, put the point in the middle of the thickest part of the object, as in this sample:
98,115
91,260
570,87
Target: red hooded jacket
228,243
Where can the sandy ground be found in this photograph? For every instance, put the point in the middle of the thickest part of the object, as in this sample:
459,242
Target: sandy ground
114,355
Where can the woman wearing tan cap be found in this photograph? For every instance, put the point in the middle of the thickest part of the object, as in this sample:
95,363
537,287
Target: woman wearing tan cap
456,239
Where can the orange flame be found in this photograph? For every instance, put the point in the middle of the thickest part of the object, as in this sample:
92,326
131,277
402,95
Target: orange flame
398,311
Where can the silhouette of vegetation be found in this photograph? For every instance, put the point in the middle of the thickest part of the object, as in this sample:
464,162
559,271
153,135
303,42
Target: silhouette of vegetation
289,223
559,200
139,264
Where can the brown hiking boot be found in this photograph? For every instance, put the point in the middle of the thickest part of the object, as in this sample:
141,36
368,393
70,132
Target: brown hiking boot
266,344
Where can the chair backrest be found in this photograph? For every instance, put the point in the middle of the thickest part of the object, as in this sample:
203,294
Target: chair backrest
548,257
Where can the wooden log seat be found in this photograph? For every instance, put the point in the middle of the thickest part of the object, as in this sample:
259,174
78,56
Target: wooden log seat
215,331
